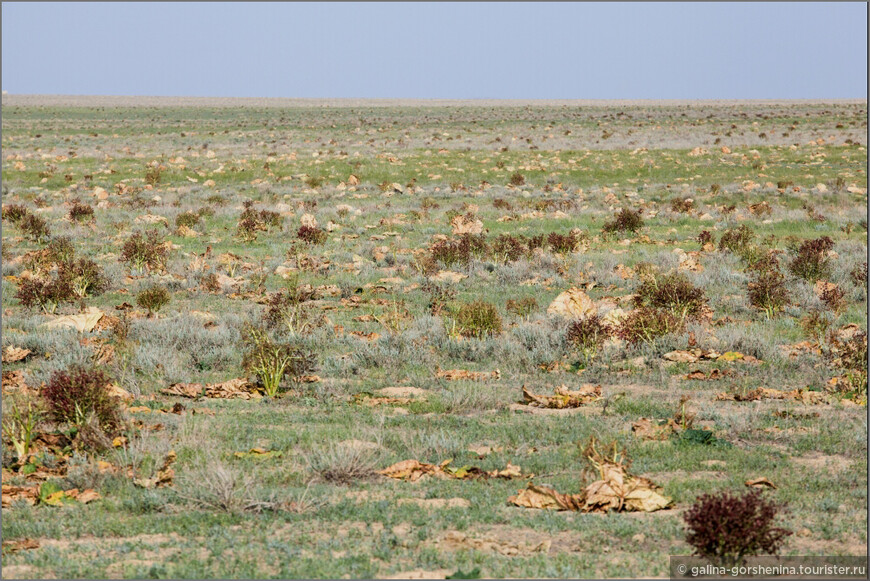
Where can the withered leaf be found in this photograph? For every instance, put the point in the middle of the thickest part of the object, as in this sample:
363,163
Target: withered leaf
162,477
761,482
541,497
801,395
13,354
460,374
20,545
563,397
648,429
413,470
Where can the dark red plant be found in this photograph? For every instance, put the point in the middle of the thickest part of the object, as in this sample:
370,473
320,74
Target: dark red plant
726,528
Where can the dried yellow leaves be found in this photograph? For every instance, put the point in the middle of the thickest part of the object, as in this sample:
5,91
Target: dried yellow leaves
616,489
13,354
800,395
238,388
459,374
414,470
563,397
162,477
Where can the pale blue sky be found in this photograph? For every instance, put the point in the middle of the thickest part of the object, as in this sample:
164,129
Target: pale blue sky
438,50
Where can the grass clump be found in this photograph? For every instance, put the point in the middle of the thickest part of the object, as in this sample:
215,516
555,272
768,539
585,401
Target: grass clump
726,528
271,361
342,464
478,319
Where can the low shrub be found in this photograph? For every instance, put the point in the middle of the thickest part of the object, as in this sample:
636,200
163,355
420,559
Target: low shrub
646,324
858,275
15,213
45,293
59,250
74,394
85,277
726,528
34,227
673,292
146,250
428,203
439,297
811,261
508,248
850,354
768,291
311,235
517,179
154,173
286,310
80,212
624,221
815,325
563,243
588,334
834,298
682,205
478,319
252,221
153,298
271,361
500,204
737,240
459,251
187,219
522,307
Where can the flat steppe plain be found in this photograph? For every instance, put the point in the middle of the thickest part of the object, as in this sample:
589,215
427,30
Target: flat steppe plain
391,184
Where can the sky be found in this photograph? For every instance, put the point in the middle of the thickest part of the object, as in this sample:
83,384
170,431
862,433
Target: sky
491,50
